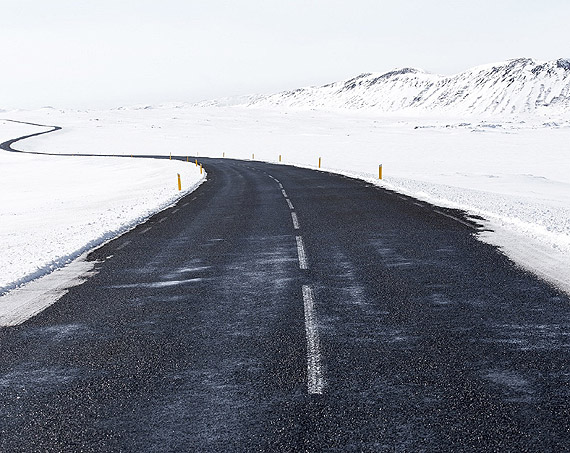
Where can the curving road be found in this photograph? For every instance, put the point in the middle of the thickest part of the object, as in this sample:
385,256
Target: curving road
7,145
283,309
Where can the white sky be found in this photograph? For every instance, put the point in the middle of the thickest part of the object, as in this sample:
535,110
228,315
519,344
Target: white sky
107,53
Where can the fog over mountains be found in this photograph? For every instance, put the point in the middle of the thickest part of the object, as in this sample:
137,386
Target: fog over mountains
513,87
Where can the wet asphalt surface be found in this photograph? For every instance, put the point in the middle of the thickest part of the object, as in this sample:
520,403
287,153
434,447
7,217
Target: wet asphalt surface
192,335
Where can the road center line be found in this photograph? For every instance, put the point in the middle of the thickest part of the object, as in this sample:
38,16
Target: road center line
145,230
301,252
280,185
284,193
295,220
175,211
273,177
289,203
163,219
315,381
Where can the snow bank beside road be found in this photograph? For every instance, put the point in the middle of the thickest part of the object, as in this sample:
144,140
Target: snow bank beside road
54,208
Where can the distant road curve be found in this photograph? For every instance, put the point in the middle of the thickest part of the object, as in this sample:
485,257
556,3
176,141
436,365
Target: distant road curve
7,145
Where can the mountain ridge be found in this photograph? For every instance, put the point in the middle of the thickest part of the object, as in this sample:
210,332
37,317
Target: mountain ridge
517,86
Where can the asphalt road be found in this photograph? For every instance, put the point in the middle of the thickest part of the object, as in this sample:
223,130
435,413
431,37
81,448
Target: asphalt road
7,145
283,309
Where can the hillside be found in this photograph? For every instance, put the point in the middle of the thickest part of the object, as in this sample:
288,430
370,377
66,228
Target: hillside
513,87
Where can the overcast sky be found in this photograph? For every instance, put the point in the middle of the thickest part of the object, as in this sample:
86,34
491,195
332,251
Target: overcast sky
107,53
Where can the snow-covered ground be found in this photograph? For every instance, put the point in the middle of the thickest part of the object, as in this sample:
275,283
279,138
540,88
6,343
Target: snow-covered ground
512,171
52,209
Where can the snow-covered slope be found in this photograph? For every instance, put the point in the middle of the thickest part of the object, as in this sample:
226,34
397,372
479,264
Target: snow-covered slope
513,87
54,208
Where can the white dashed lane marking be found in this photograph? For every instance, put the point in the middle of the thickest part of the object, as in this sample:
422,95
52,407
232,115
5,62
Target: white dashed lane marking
295,220
301,252
315,381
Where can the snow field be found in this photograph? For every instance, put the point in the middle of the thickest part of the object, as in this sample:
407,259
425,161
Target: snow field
52,208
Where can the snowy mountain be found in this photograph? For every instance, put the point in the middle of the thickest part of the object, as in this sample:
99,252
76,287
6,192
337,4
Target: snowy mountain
513,87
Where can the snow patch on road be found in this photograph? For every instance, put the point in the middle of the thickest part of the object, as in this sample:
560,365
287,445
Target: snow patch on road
165,284
23,303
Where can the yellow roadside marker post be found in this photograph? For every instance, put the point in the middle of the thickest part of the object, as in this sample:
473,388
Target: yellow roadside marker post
279,157
319,162
179,182
380,171
200,168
